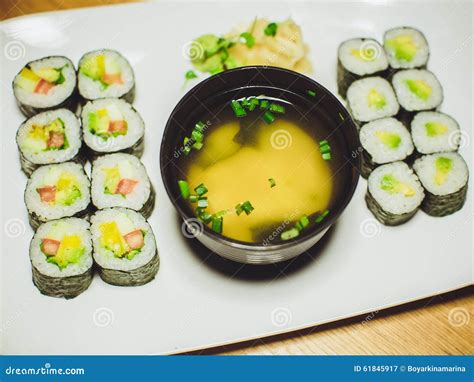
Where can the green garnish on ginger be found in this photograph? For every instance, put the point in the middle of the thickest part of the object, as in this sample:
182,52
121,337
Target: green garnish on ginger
375,99
271,29
419,88
403,47
190,74
391,140
434,129
394,186
247,39
443,167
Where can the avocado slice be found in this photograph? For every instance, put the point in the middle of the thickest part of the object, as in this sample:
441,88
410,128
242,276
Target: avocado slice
403,47
49,74
393,186
443,167
99,122
391,140
419,88
94,67
375,99
112,179
69,252
434,129
67,189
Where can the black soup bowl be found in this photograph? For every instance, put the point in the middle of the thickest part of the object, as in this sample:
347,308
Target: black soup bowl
206,101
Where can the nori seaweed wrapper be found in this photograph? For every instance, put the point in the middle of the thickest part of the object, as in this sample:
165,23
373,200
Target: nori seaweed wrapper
385,217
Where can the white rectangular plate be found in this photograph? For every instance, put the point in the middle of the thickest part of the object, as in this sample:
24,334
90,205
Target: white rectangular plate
197,299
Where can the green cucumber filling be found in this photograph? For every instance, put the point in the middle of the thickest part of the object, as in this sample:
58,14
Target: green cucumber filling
419,88
103,69
435,129
443,168
391,140
376,99
121,237
107,122
41,138
40,81
392,185
403,47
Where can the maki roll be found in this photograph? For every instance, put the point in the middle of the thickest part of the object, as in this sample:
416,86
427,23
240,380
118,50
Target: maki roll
406,48
45,84
61,257
120,180
358,58
57,191
444,177
105,73
384,140
433,132
124,247
417,90
50,137
394,193
371,98
112,125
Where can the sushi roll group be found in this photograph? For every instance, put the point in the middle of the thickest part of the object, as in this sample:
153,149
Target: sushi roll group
61,257
124,247
49,137
112,125
105,73
45,84
383,141
121,180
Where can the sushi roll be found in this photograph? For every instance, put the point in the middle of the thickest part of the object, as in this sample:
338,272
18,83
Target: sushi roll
61,257
105,73
434,132
406,48
358,58
57,191
45,84
384,140
417,90
112,125
124,247
394,193
371,98
444,177
120,180
50,137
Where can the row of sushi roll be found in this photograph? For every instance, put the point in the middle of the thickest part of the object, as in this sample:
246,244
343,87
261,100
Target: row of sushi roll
408,147
80,220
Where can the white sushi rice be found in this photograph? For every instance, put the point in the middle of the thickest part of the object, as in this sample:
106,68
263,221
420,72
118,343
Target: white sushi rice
51,173
57,94
72,132
127,221
61,228
130,168
446,140
422,50
409,100
379,152
92,89
457,177
362,56
357,98
396,203
135,131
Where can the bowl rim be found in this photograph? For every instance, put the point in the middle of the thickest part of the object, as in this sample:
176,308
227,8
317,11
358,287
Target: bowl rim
257,247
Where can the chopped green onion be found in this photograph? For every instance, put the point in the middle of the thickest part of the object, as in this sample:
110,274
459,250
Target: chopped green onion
238,209
200,126
190,74
272,182
341,116
264,104
321,217
322,143
193,198
238,109
268,117
325,149
197,136
186,150
304,221
197,146
206,217
290,234
202,202
184,188
271,29
311,93
277,108
247,207
248,39
217,223
327,156
201,189
253,103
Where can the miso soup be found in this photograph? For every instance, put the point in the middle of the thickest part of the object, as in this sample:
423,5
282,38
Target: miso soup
261,177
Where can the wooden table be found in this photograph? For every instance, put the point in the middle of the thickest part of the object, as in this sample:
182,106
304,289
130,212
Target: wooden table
438,325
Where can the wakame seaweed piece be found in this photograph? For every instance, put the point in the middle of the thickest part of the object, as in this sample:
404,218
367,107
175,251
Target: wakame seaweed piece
184,189
239,111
